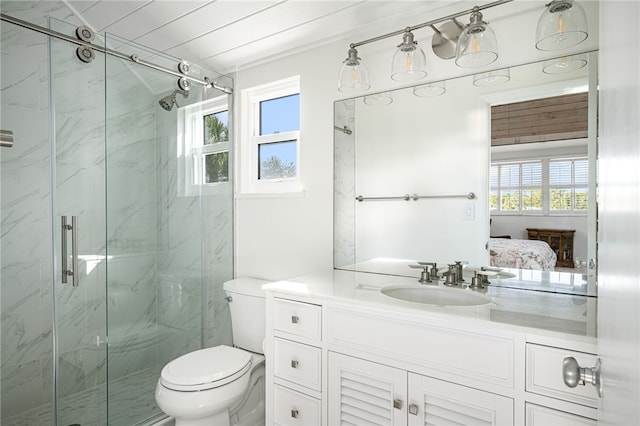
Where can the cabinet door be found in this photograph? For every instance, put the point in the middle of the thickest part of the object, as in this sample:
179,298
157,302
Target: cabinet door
434,401
365,393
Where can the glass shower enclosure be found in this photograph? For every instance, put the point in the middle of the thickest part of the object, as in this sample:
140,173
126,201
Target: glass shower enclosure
113,249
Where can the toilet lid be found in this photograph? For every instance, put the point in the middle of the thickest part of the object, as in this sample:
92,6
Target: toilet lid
205,366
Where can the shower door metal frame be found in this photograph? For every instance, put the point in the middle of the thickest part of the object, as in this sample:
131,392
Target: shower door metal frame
183,67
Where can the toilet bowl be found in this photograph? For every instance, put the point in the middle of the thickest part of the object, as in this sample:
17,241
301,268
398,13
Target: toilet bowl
222,385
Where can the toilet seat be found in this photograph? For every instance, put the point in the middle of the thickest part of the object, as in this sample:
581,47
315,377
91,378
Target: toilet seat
205,369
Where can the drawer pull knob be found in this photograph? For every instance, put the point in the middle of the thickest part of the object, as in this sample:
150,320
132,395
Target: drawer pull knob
294,319
294,363
575,375
397,404
413,409
294,414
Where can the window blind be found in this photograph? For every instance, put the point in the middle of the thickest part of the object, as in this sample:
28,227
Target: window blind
540,120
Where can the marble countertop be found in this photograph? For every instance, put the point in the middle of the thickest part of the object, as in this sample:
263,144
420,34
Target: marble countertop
539,312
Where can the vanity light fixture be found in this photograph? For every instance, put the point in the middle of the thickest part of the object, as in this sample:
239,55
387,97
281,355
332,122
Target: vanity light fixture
563,24
474,45
445,39
492,78
353,75
431,90
409,62
477,45
564,64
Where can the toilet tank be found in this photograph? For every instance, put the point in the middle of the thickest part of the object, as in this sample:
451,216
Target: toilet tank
247,306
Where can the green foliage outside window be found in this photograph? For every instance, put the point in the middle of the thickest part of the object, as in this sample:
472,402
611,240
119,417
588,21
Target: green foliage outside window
215,129
216,165
274,168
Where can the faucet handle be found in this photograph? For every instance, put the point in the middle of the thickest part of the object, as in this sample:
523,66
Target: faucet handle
424,275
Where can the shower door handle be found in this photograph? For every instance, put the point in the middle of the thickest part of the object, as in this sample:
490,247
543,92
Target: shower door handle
73,272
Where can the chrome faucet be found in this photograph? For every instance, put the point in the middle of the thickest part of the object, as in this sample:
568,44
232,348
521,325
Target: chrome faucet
450,276
458,265
426,275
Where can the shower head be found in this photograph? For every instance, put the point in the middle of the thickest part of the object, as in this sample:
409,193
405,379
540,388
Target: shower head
168,101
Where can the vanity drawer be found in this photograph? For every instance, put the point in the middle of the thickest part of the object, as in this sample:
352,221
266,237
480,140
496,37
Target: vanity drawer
544,374
543,416
298,363
297,318
293,408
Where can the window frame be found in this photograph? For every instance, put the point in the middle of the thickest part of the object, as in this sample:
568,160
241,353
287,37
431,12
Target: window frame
192,150
250,139
546,188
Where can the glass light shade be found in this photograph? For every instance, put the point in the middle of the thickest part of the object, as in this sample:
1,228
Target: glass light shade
564,64
436,88
563,24
477,45
492,78
353,75
409,63
378,99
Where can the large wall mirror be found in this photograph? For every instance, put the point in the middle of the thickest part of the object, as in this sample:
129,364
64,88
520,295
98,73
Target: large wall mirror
495,170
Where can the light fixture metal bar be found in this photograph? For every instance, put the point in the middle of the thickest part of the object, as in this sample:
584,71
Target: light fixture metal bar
133,58
430,23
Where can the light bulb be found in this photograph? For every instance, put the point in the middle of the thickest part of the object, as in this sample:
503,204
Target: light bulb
563,62
409,61
474,44
560,24
354,76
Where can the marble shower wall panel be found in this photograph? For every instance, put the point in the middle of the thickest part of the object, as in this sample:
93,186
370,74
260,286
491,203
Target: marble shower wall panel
38,12
218,229
25,292
344,252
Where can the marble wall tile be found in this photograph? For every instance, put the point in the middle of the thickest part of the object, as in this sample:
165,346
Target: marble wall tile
38,11
81,369
344,251
21,388
26,316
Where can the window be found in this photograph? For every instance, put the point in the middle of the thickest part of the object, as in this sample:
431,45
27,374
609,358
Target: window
548,186
568,185
270,138
204,153
215,150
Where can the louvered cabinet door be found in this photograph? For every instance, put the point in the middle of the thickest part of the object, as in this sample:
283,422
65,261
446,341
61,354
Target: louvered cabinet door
435,402
363,393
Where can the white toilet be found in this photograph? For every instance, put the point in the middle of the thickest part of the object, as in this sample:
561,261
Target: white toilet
222,385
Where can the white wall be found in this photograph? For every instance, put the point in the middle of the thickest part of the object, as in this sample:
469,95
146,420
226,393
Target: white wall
278,238
619,221
282,236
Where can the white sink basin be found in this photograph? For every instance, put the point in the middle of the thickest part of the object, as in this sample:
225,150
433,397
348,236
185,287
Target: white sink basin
437,296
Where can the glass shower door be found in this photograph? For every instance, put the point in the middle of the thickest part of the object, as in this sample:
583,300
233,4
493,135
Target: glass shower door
78,132
26,307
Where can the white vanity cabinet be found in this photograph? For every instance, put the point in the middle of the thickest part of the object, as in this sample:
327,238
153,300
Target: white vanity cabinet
331,361
361,392
555,402
294,377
